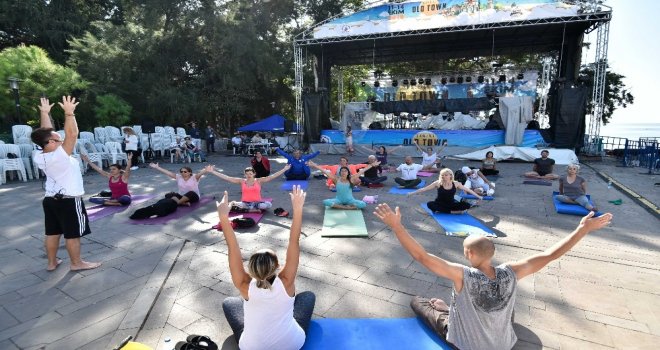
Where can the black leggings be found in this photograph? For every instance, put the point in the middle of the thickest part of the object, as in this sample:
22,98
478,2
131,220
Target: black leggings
192,196
490,172
163,207
447,208
303,306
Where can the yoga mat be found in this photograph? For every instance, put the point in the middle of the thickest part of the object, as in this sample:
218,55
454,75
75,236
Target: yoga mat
371,333
180,212
233,215
425,174
460,225
343,223
470,196
537,182
571,209
288,185
397,190
100,211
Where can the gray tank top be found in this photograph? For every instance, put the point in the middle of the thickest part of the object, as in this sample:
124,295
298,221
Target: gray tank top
480,315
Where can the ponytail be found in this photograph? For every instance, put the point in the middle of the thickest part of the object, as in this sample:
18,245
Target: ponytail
262,266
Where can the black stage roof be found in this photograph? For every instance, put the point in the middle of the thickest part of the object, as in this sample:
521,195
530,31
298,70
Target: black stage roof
512,37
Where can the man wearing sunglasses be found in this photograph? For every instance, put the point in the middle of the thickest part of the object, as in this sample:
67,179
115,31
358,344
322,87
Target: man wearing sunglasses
64,210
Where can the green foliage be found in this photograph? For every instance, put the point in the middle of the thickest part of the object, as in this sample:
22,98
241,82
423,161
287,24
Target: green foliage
111,110
616,93
39,75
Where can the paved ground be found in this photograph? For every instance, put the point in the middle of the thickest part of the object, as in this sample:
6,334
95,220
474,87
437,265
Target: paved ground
161,283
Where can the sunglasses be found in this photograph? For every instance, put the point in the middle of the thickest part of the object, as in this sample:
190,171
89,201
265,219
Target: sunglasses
183,171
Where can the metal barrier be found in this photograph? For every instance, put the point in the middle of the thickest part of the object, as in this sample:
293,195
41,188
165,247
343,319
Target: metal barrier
644,152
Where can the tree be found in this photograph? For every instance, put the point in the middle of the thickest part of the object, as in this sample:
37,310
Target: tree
111,110
616,94
39,75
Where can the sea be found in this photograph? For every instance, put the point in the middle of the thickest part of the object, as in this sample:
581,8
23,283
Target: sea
631,131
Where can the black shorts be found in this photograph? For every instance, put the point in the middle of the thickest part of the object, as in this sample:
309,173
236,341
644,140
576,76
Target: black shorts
192,196
66,216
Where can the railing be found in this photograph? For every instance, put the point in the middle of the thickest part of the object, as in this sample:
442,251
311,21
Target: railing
644,152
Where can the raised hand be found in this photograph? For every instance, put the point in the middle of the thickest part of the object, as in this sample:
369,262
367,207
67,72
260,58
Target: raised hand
209,168
297,198
592,223
45,106
68,104
84,157
375,164
130,154
287,167
153,165
223,206
387,216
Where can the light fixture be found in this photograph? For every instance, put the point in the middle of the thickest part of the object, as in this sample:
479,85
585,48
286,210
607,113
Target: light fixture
395,83
443,81
468,79
13,84
427,81
452,79
459,80
480,79
405,82
520,76
421,81
502,78
376,83
363,84
413,82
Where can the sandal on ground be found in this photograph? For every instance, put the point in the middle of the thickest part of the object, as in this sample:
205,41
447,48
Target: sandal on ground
182,345
202,342
281,212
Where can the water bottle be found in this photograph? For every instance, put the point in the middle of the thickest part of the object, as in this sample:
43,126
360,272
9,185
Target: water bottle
376,199
609,185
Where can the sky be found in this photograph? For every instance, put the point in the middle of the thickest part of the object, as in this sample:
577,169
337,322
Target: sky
634,52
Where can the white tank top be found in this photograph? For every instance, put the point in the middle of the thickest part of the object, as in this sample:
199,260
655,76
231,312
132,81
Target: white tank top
428,160
268,319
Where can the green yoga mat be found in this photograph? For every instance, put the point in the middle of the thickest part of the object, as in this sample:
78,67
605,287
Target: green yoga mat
343,223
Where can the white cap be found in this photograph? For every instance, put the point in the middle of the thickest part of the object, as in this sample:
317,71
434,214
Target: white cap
466,169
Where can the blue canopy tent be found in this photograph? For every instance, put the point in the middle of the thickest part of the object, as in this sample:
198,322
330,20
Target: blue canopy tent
274,123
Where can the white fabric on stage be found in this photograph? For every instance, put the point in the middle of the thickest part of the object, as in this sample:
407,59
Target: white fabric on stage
516,112
561,156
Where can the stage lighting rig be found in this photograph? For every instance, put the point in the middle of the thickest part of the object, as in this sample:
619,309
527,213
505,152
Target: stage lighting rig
395,83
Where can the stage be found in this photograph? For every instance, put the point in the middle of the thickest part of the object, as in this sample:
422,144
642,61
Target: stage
462,138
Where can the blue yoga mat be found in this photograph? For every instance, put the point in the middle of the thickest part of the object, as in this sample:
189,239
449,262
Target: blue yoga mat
371,333
470,196
460,225
571,209
288,185
397,190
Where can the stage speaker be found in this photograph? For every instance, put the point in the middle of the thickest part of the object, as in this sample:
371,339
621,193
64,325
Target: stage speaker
480,79
376,126
459,80
289,126
148,126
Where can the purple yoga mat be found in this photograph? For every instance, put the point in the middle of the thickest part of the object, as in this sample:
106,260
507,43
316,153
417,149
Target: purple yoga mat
425,174
100,211
180,212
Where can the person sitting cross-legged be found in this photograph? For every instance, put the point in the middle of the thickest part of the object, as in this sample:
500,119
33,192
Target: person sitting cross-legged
371,177
543,167
299,169
344,184
480,314
269,314
409,172
251,200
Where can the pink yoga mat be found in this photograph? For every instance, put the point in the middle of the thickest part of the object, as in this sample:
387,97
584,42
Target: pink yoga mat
100,211
180,212
425,174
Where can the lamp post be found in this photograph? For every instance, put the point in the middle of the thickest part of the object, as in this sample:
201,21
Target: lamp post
13,84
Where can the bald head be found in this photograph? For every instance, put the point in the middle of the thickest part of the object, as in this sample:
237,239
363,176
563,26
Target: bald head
480,246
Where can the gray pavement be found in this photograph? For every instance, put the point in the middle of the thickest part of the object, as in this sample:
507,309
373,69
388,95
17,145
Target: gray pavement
161,283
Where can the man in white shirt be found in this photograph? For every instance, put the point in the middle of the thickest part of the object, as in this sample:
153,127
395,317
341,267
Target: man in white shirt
64,209
237,143
409,170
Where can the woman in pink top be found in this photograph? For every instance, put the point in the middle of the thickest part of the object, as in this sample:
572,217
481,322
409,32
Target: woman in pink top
187,182
250,189
117,182
269,314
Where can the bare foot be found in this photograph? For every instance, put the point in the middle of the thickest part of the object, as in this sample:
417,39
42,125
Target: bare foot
53,267
84,265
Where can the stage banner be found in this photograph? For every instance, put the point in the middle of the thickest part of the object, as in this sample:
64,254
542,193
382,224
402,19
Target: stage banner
428,14
465,138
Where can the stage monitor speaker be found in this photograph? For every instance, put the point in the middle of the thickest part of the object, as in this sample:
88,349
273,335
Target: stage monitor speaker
289,125
376,126
148,126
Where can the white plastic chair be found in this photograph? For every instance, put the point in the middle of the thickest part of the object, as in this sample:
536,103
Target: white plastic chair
19,131
114,148
87,148
31,167
100,134
137,129
11,164
169,130
86,135
181,132
159,130
100,148
157,143
113,134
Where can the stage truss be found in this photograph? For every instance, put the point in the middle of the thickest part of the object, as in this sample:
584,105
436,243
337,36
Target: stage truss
594,13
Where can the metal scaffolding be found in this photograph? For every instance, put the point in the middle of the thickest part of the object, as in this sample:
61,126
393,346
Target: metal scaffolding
592,145
340,92
547,72
298,59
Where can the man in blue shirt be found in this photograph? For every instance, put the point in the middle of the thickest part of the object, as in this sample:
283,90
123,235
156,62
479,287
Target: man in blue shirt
299,168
